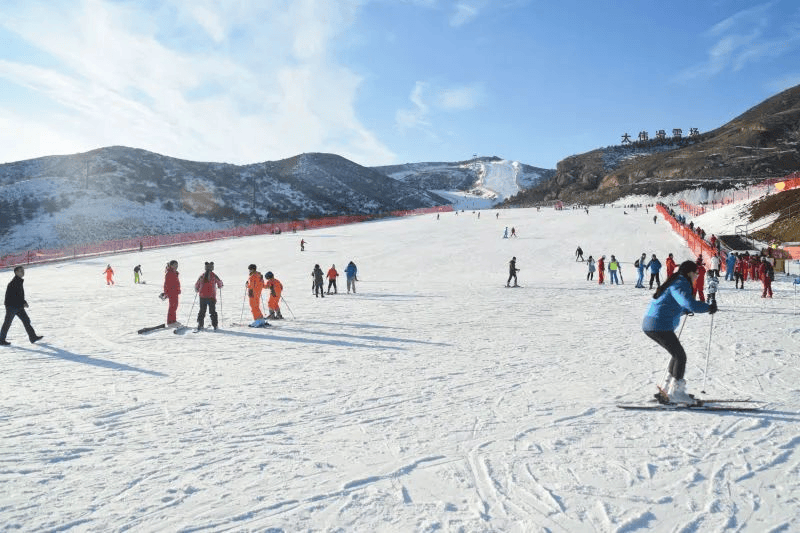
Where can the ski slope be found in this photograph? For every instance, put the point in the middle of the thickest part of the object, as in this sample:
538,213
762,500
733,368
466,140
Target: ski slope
434,399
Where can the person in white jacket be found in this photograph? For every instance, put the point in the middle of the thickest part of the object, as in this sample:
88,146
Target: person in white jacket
714,266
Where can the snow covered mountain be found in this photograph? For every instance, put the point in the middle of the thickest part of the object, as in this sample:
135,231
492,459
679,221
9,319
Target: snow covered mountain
489,178
119,192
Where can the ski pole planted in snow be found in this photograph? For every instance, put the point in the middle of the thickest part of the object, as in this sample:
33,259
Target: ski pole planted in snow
287,306
708,353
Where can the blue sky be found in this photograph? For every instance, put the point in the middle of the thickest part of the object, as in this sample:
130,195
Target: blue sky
381,81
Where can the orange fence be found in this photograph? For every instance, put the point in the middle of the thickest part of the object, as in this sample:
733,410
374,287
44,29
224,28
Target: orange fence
693,240
158,241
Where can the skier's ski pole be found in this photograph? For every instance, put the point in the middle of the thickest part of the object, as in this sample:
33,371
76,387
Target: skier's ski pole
191,308
287,306
220,306
708,353
244,297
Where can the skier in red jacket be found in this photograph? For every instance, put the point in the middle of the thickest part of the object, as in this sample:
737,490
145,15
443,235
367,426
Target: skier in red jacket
670,264
172,288
601,264
206,287
767,272
700,281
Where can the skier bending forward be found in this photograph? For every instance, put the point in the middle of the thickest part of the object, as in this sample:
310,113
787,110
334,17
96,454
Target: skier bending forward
672,299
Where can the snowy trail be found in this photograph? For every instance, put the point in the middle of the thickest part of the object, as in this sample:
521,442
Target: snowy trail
433,399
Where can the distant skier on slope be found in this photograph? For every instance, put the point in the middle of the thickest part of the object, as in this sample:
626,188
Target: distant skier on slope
670,264
590,274
206,287
730,264
137,274
613,268
672,299
601,265
512,272
109,272
641,265
579,254
701,279
655,271
767,274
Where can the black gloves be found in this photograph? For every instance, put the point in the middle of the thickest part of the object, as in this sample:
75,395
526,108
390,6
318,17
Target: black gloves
250,293
712,308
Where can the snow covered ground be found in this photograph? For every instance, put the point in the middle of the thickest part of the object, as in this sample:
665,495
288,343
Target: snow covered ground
434,399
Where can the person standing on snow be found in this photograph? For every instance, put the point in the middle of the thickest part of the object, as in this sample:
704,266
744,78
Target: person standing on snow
15,306
738,271
767,274
512,272
715,264
579,254
655,271
109,272
332,275
672,299
206,287
670,264
601,265
590,274
137,274
255,284
513,232
730,266
613,267
275,289
352,276
172,288
701,280
302,245
505,233
318,282
640,265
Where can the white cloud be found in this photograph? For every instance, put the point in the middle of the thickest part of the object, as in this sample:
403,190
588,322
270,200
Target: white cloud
464,12
461,98
746,37
416,117
263,86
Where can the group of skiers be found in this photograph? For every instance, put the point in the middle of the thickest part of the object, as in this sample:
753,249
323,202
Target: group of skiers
740,267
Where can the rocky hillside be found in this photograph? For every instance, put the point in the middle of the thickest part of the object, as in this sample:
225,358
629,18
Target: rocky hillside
759,144
119,192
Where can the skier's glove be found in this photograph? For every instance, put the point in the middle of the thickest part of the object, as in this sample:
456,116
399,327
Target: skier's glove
162,296
712,308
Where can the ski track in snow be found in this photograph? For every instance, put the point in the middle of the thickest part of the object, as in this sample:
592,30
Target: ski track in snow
434,399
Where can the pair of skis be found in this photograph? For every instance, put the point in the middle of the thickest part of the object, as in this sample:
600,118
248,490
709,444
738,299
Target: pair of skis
178,330
662,403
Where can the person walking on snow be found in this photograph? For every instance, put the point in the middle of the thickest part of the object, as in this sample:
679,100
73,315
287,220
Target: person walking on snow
613,267
601,265
318,282
172,288
332,275
738,271
670,264
352,276
671,300
701,279
590,274
640,265
275,289
579,254
302,245
767,273
655,271
505,233
513,232
15,307
255,284
512,272
109,272
137,274
206,287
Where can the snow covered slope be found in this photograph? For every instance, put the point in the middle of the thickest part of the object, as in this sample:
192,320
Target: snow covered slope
434,399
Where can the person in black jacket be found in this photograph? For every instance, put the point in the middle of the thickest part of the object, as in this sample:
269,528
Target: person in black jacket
15,306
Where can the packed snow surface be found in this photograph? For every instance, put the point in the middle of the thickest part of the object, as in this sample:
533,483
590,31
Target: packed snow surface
434,399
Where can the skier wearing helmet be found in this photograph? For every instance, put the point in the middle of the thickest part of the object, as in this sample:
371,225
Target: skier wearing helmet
275,289
255,284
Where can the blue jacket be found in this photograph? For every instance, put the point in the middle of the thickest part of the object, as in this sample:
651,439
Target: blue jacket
655,266
351,270
665,312
730,262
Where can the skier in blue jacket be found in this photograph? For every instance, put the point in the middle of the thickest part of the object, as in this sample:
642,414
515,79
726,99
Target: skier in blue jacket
352,276
670,301
655,268
641,265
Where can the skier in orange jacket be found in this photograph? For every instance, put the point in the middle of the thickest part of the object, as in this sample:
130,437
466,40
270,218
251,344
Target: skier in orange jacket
255,284
275,289
109,272
332,275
